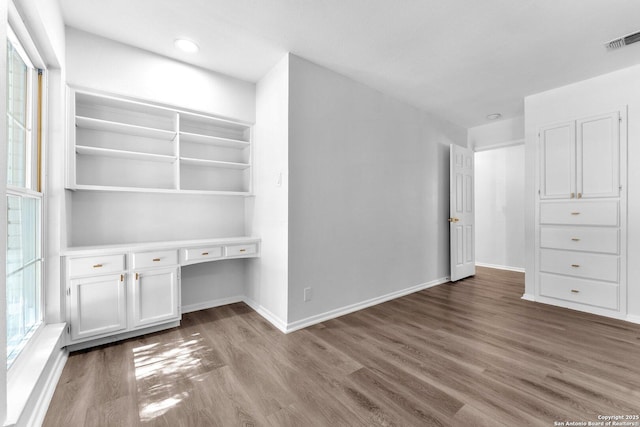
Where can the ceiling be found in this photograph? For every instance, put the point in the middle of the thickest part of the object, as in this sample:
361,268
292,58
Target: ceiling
458,59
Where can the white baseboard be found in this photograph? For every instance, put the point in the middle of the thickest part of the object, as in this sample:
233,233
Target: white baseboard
332,314
42,403
633,318
94,342
268,315
211,304
500,267
528,297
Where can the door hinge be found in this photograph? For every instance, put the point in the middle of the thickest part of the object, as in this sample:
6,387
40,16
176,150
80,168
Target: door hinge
68,329
68,291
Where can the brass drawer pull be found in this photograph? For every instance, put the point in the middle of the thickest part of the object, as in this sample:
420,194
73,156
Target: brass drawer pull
156,259
575,265
205,253
243,250
573,195
575,239
575,291
575,213
579,195
97,266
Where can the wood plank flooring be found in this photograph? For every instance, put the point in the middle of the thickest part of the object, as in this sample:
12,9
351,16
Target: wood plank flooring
470,353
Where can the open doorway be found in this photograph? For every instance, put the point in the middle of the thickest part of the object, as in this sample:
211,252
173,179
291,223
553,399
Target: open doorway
499,206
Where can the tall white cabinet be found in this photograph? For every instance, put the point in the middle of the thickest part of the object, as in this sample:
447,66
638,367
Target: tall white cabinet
581,214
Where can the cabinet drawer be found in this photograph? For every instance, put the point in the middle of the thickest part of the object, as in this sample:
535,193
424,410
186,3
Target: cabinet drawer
589,266
580,239
579,290
241,250
95,265
154,259
202,254
580,213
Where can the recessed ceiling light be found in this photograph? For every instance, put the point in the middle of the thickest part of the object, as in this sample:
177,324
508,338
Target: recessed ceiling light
494,116
186,45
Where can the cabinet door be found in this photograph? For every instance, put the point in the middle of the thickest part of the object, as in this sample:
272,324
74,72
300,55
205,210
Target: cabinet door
557,161
598,156
97,306
155,297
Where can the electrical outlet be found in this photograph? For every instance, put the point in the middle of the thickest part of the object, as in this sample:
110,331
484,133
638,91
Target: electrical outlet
308,294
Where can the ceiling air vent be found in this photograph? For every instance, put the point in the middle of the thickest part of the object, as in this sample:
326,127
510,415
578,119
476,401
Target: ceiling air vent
623,41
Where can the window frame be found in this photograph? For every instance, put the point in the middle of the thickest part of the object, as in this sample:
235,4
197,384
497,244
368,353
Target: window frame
34,159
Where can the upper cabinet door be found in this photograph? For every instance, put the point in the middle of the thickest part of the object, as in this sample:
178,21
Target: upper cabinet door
558,161
598,156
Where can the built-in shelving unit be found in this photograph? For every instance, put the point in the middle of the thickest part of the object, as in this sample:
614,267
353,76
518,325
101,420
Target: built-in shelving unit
120,144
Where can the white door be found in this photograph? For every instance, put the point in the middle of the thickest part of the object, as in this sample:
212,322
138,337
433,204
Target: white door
558,161
461,211
98,306
598,153
155,296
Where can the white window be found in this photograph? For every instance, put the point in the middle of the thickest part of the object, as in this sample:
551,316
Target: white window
24,198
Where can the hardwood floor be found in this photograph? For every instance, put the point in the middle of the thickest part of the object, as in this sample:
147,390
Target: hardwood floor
465,354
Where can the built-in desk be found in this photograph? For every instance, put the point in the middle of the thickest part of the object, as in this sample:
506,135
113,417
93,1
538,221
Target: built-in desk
119,291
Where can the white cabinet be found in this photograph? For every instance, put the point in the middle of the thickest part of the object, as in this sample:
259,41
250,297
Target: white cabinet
598,156
581,158
120,144
581,215
155,288
115,292
97,306
96,300
155,297
558,161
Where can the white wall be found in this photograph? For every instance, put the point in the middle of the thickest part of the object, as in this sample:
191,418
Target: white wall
605,93
211,283
102,64
499,190
267,213
368,193
112,218
501,133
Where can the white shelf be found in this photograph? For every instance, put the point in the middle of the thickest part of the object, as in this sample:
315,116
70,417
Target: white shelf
167,150
122,154
124,128
107,189
213,140
213,163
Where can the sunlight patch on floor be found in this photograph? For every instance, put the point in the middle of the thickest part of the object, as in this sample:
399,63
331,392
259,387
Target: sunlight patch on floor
162,373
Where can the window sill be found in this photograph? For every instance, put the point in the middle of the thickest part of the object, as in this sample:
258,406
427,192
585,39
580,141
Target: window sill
32,378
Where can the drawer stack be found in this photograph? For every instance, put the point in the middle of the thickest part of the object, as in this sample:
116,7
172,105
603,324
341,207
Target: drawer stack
579,256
